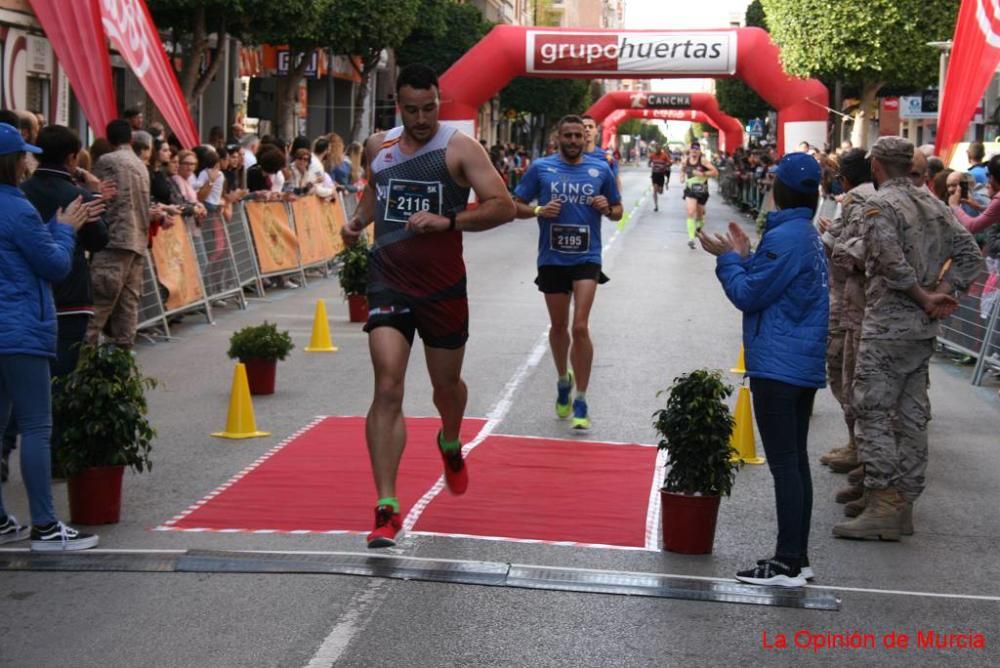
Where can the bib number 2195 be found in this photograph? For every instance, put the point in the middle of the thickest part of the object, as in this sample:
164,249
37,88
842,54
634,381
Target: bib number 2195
570,238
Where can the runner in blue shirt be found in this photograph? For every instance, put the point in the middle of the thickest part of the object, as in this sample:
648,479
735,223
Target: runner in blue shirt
573,192
592,150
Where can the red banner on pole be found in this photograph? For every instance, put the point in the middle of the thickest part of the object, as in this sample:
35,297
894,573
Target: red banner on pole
975,54
77,37
131,30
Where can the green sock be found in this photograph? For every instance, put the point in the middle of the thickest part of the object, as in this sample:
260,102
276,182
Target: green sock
699,223
582,396
389,501
692,228
448,446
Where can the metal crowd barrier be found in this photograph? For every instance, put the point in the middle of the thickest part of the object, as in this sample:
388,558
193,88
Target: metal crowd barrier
227,260
989,354
151,314
244,255
746,193
972,329
218,265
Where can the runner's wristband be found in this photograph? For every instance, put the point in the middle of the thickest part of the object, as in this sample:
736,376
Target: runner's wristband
538,210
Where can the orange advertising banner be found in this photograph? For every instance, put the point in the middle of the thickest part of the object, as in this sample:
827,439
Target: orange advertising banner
176,266
315,237
277,247
334,218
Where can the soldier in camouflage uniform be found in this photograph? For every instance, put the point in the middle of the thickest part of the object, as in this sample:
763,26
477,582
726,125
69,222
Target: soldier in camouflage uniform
917,257
847,301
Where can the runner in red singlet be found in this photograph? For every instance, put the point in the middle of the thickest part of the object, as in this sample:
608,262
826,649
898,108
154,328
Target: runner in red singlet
420,176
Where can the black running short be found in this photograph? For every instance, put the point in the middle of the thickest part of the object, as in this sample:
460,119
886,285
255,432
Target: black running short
700,197
556,279
659,178
442,323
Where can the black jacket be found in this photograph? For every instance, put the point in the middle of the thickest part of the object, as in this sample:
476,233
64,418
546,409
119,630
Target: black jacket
49,189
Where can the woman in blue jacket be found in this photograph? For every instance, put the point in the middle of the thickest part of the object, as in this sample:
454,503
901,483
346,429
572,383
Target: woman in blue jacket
782,291
33,254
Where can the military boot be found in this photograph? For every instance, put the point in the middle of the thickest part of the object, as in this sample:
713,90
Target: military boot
849,493
854,508
835,452
906,521
856,476
880,520
844,462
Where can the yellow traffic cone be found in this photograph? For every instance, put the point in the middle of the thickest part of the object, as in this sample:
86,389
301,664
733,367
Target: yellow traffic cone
741,365
240,422
320,341
742,436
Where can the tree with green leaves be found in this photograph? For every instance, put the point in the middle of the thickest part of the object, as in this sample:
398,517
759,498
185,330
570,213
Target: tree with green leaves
193,25
735,97
870,44
547,100
362,30
446,31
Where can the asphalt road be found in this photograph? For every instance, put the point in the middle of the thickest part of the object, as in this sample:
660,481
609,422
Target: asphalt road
662,314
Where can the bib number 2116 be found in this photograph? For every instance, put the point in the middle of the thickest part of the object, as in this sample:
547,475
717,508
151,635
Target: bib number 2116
409,197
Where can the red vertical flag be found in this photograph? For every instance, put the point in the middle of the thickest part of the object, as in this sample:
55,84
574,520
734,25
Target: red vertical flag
133,33
75,33
975,54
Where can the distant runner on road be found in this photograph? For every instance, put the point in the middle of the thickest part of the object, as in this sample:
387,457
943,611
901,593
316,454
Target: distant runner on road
695,172
659,161
573,192
420,177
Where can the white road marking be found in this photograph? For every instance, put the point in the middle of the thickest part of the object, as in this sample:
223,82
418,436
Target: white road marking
357,612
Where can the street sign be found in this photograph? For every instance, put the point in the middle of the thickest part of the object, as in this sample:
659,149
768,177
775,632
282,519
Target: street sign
755,128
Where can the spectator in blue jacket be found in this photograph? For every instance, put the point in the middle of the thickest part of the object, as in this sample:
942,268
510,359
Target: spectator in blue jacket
33,254
782,291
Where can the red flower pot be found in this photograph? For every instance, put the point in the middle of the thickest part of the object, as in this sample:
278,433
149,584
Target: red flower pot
95,495
260,375
357,308
688,522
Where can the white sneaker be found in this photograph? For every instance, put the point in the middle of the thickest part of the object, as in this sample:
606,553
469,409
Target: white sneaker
11,531
57,537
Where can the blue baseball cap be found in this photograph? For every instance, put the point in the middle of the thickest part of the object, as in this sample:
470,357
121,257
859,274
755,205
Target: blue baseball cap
11,141
799,171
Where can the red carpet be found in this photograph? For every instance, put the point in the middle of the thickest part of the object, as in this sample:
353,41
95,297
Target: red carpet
520,488
550,490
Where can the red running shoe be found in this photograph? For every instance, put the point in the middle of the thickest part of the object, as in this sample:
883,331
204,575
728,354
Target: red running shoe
388,524
456,476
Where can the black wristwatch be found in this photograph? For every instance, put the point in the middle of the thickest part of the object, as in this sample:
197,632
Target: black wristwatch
452,221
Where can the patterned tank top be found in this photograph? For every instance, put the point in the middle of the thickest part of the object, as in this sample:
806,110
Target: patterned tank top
695,172
420,266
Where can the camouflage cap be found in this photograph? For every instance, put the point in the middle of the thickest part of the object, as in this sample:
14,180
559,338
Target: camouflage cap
892,150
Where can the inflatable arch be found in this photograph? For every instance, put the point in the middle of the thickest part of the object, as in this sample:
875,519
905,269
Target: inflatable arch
730,129
616,118
748,53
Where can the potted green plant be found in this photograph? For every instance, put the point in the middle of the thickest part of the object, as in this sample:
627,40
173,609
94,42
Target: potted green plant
354,279
695,428
100,410
259,347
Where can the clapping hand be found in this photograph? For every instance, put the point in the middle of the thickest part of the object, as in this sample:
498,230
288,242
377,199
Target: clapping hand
739,240
76,214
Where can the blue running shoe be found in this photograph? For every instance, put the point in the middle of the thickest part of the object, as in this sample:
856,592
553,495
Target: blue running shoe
563,407
580,418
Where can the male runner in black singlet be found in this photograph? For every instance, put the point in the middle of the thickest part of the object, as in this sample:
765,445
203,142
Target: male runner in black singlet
419,177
